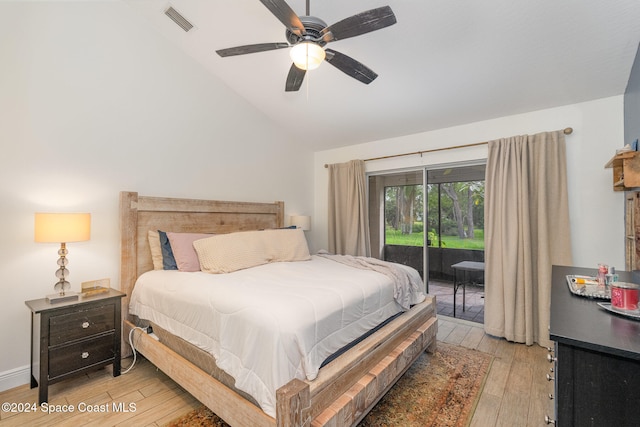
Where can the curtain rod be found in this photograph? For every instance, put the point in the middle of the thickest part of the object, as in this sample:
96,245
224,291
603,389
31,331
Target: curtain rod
566,131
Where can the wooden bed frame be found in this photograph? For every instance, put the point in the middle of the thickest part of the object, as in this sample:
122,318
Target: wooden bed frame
344,391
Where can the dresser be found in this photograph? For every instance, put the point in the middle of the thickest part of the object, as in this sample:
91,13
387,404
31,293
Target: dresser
596,360
73,337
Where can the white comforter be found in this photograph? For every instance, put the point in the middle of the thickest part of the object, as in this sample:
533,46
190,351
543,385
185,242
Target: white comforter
269,324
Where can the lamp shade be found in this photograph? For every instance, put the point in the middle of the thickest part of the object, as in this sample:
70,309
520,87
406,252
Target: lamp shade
307,55
62,227
301,221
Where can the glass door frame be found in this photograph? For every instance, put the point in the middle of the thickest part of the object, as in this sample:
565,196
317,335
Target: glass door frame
381,230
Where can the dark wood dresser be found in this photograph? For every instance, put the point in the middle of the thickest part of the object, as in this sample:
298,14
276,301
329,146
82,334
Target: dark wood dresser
597,358
73,337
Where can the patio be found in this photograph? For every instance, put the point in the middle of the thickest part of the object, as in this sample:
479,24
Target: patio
443,291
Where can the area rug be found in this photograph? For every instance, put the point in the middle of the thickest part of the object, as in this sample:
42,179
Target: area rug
439,390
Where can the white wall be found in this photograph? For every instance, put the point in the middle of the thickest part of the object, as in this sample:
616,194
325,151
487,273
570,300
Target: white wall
92,102
596,211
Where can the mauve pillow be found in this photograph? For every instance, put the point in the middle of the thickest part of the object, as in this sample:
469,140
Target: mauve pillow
183,251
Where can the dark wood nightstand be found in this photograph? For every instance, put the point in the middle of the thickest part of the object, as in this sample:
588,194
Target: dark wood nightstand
73,337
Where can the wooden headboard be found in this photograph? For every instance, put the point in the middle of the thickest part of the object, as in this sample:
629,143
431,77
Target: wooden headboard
139,214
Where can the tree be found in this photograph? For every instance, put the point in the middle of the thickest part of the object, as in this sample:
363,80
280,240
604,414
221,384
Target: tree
407,204
391,207
450,189
403,206
470,230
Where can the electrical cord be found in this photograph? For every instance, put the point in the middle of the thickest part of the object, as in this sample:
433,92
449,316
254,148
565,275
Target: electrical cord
133,348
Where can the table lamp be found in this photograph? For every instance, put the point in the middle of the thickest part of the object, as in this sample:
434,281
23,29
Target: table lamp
62,228
301,221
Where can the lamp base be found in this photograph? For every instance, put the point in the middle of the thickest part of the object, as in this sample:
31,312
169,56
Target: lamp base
67,296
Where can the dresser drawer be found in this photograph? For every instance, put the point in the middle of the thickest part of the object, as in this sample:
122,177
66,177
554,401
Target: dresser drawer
69,358
82,323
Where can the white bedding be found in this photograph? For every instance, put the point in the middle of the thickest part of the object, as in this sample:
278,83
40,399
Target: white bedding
268,324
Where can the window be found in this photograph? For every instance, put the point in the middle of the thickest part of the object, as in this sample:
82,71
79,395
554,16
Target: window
403,215
456,215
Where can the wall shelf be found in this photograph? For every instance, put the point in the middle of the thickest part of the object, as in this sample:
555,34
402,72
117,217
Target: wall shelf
626,170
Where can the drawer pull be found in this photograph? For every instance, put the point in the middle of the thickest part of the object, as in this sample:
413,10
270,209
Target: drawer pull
551,359
548,420
550,378
85,325
84,354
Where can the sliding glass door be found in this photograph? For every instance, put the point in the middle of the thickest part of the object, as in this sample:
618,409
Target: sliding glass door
396,217
455,220
440,209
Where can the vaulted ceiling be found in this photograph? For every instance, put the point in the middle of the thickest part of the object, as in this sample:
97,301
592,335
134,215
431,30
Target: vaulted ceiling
444,63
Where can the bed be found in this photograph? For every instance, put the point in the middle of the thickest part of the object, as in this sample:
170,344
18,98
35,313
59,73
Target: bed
344,389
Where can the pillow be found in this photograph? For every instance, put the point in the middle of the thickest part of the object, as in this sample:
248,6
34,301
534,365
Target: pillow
183,252
156,250
286,245
225,253
168,261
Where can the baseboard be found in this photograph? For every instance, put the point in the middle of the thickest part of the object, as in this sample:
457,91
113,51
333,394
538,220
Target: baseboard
15,377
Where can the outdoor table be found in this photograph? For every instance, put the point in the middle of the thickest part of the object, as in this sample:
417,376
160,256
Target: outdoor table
463,266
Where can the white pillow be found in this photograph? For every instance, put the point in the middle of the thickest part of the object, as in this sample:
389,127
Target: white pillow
286,245
225,253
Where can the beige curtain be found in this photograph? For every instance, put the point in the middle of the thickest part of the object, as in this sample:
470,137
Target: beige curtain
348,213
526,232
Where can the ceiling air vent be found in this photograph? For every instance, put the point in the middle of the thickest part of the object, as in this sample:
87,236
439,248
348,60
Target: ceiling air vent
178,19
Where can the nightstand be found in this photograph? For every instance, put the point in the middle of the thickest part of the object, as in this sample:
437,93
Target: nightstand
73,337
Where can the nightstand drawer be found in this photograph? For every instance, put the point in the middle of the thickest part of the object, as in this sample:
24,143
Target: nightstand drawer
80,324
69,358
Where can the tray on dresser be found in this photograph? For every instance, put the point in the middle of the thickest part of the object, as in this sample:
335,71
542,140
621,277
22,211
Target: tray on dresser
633,314
589,289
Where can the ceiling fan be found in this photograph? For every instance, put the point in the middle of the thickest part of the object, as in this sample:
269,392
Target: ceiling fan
307,36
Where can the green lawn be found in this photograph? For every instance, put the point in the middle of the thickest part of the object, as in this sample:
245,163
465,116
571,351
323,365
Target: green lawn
395,237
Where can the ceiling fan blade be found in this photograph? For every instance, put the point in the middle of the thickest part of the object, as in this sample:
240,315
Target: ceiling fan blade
350,66
250,48
294,79
286,15
364,22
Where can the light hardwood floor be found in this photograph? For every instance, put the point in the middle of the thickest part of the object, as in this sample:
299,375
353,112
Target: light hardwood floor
515,392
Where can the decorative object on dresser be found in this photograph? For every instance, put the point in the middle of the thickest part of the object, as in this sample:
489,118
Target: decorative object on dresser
95,287
62,228
73,337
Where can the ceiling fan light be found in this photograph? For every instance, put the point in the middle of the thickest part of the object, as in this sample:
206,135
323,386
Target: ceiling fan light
307,55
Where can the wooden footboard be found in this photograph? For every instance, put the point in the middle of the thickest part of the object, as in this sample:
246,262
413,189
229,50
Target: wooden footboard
344,392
